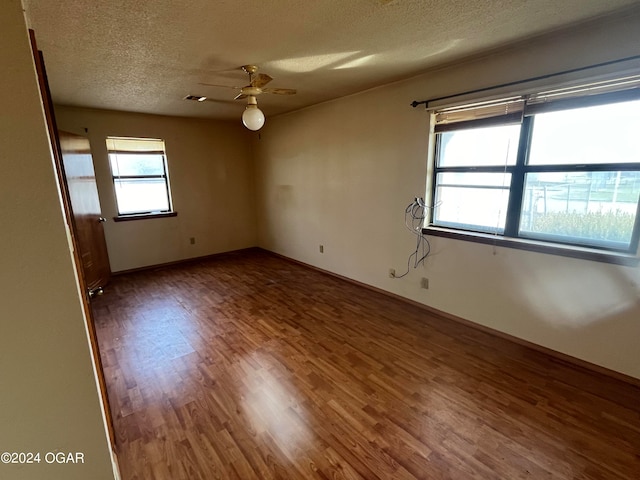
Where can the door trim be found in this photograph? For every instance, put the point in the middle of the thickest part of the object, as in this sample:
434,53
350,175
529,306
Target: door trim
47,104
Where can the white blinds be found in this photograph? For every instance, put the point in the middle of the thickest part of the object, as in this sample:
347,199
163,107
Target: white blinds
504,110
511,109
597,93
134,145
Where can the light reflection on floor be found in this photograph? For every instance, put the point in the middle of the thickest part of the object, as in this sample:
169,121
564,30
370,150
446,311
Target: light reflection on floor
270,402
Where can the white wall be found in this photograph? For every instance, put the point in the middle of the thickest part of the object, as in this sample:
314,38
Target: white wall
49,400
212,182
341,174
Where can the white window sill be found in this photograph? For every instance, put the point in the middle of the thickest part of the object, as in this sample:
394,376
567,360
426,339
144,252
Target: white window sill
144,216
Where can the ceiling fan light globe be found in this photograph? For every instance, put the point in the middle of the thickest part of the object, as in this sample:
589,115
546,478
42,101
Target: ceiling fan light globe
253,118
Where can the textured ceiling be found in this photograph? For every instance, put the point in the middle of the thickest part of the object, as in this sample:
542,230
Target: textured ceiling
147,55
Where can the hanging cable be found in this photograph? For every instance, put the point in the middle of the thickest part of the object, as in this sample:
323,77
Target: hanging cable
414,216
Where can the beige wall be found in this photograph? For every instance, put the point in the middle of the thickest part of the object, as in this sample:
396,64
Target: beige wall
212,182
341,174
48,396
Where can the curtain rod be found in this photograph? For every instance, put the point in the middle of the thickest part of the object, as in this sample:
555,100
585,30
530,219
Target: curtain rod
415,103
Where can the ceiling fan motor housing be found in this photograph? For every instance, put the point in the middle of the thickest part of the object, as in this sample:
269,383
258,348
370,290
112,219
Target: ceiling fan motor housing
251,90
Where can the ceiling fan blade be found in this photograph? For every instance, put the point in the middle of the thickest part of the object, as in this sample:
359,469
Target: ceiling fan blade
240,96
260,80
220,86
280,91
202,98
216,100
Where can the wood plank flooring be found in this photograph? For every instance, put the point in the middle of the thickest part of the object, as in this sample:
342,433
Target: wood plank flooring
248,366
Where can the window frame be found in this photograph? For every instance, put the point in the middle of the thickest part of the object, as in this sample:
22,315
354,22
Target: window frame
168,212
512,237
504,169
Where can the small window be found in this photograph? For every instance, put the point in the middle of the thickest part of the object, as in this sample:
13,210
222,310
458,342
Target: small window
561,167
140,176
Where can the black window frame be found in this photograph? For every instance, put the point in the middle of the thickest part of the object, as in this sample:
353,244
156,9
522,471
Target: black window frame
511,236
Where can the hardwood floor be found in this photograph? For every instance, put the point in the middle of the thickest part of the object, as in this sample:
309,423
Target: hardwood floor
248,366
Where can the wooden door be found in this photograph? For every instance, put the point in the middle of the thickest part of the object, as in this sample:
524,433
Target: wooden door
57,156
85,208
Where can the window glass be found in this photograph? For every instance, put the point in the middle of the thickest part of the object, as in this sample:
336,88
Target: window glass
479,146
141,195
601,134
123,164
591,208
477,201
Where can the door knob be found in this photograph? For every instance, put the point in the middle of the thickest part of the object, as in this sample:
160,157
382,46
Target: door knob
95,291
102,219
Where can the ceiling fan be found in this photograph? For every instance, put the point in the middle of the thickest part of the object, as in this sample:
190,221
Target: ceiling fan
252,118
257,81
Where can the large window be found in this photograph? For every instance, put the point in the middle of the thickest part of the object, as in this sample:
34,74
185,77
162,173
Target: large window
560,167
140,178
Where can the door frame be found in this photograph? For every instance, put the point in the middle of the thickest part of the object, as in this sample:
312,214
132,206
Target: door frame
47,104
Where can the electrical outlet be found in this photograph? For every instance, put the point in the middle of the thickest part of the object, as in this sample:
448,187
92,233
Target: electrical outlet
192,240
321,248
424,283
392,273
